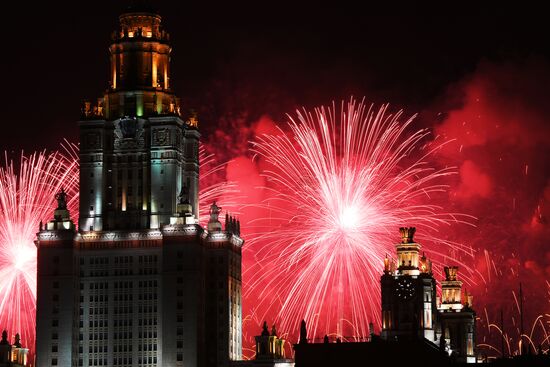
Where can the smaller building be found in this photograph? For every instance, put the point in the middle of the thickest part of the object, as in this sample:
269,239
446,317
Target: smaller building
456,318
376,352
270,351
417,326
12,355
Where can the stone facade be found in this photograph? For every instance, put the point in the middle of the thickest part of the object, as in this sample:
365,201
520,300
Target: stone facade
140,282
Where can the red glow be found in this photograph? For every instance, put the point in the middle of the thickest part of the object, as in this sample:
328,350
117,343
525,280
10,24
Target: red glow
26,199
338,185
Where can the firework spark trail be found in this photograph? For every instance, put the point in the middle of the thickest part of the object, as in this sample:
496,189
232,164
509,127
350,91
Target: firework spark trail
538,337
26,199
211,188
341,185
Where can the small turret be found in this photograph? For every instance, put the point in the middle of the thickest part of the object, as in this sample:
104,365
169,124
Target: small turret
269,346
451,290
408,252
265,329
61,215
5,349
184,209
232,225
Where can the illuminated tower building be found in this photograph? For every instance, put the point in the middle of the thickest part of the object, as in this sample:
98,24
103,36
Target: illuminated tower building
457,319
408,292
411,310
140,283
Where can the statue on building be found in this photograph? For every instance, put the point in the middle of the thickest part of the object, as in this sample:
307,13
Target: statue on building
214,225
303,332
17,342
183,197
61,198
215,211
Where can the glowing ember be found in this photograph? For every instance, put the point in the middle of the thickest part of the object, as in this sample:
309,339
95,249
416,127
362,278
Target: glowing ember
342,183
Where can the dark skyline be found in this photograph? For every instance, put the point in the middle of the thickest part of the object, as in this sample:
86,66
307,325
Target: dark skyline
266,58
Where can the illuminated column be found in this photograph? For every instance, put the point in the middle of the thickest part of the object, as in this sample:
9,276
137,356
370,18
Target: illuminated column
451,290
154,77
407,252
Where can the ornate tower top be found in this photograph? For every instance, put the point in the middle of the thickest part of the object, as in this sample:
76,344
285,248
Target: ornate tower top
407,234
139,84
450,273
408,252
451,290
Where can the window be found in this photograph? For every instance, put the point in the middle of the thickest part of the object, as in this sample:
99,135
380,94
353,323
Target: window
54,348
54,361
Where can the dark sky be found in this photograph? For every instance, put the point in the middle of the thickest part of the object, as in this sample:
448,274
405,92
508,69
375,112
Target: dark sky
265,58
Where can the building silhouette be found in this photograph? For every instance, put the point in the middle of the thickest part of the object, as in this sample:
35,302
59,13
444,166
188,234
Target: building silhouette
140,282
411,309
416,324
269,352
13,355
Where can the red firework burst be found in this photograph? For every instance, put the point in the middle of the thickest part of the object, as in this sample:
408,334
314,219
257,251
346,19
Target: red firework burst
341,183
26,200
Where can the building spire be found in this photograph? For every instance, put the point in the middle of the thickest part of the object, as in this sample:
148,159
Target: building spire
265,330
4,337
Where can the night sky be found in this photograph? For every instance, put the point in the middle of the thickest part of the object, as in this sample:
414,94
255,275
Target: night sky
266,58
477,76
